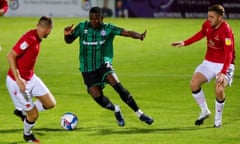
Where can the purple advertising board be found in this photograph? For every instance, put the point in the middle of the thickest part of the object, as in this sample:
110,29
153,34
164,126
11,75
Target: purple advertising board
180,8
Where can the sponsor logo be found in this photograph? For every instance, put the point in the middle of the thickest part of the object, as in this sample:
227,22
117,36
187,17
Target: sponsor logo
24,45
103,33
93,43
228,41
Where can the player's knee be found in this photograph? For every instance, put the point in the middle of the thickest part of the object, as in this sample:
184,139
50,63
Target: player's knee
219,91
124,93
104,102
32,117
194,85
51,104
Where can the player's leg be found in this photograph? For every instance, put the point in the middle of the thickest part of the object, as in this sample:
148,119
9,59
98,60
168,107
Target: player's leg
45,102
196,82
45,99
113,80
13,90
219,104
220,96
93,81
29,123
96,92
24,103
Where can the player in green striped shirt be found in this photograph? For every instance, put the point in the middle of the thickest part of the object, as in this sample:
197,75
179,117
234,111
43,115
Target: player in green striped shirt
96,53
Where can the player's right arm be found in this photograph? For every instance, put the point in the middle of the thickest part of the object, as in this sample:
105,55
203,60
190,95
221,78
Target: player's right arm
12,60
196,37
68,34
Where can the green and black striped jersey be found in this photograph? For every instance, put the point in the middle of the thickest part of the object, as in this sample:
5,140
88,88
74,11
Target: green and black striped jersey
96,45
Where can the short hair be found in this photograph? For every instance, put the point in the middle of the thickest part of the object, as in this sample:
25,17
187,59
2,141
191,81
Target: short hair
217,8
45,21
96,10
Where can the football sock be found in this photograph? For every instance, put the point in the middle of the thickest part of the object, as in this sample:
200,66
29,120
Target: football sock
105,102
219,109
117,109
125,96
200,99
28,127
39,106
139,112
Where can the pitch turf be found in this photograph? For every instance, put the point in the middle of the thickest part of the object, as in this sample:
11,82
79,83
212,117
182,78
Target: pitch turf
155,73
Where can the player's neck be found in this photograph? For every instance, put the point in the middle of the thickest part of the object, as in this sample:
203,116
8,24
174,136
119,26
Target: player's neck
218,25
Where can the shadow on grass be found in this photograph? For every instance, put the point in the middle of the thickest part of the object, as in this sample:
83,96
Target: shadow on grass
134,130
5,131
107,131
19,142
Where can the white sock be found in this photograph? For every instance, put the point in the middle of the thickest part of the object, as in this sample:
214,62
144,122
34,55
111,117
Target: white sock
218,110
28,127
39,105
201,101
139,112
117,108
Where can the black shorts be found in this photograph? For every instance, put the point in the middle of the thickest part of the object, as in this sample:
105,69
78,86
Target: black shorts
97,77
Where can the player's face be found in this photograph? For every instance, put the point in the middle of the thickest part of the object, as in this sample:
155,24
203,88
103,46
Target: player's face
96,20
214,18
44,31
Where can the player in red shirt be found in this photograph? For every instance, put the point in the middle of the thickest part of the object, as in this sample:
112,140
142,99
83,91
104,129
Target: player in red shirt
218,63
23,84
3,7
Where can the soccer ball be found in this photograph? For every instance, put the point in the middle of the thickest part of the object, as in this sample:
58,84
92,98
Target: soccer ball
69,121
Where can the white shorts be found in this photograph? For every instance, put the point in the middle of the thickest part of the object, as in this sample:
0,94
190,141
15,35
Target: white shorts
211,69
23,101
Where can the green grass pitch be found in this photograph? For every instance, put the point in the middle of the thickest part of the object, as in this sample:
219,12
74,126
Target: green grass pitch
155,73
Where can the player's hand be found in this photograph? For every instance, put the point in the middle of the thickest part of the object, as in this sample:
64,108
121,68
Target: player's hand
143,35
178,44
21,84
220,78
68,30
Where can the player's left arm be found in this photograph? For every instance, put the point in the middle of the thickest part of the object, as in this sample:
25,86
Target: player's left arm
228,50
134,34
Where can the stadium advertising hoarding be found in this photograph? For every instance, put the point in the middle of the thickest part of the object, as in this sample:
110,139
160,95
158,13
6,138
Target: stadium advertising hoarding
58,8
136,8
180,8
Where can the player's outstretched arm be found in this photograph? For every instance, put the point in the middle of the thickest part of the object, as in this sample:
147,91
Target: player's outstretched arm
68,37
178,44
134,34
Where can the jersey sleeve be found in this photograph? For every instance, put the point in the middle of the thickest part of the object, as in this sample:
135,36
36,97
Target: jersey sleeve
228,41
196,37
115,30
77,31
21,46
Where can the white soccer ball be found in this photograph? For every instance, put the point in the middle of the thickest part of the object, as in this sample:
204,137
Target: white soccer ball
69,121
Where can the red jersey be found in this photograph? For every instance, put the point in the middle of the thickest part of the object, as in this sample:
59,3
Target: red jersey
27,48
220,44
4,5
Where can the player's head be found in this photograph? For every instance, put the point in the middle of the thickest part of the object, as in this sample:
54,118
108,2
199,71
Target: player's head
95,17
44,26
215,15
